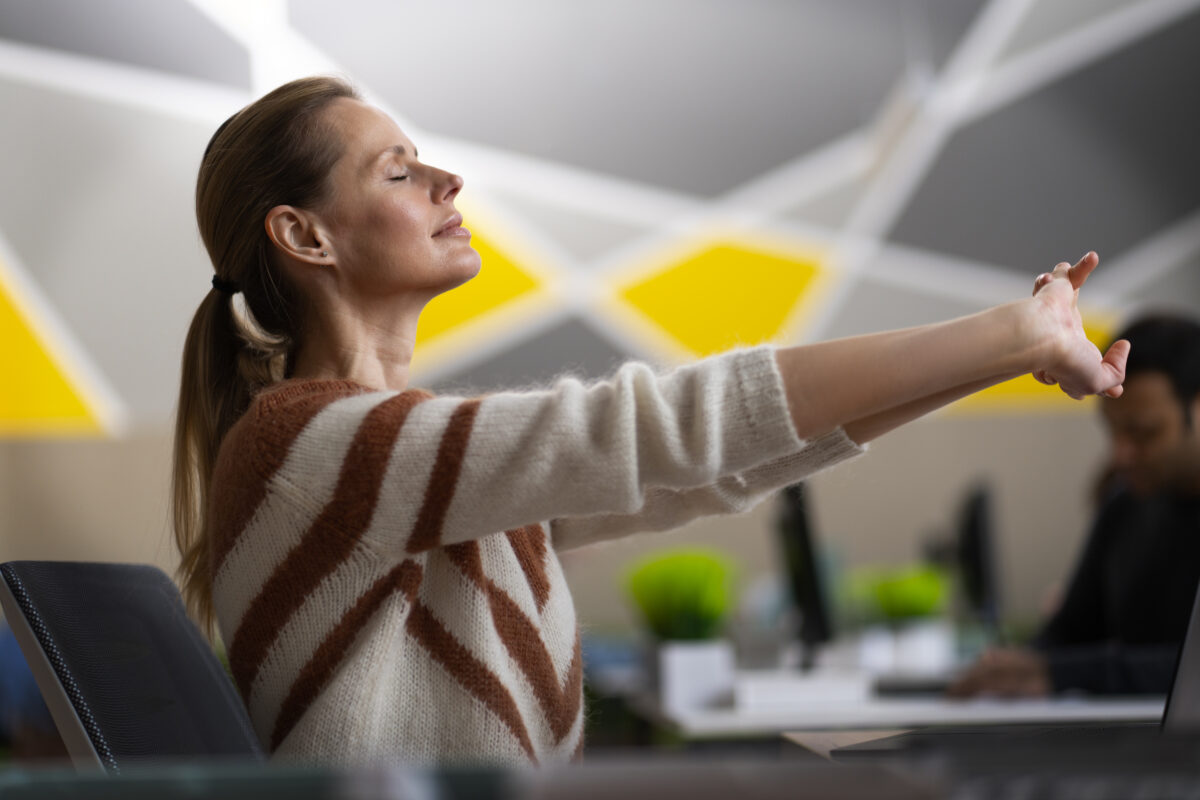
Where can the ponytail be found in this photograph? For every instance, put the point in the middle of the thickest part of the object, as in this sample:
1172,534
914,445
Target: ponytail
275,151
211,396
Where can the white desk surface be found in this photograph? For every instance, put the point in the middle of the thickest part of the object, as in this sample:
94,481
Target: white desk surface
889,712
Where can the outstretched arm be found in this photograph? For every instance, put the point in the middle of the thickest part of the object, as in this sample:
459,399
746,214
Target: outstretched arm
871,384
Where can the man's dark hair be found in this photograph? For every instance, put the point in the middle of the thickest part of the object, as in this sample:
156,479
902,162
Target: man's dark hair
1169,344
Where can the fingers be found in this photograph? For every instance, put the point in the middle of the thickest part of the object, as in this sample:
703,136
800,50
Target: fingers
1115,359
962,688
1106,381
1079,273
1076,273
1060,271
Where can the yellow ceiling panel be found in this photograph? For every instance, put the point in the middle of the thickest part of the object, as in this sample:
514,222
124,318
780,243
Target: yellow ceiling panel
724,295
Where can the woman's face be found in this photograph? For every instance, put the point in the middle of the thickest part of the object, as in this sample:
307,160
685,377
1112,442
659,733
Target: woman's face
389,219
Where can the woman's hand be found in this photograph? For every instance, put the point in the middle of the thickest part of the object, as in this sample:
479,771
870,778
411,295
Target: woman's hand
870,384
1069,359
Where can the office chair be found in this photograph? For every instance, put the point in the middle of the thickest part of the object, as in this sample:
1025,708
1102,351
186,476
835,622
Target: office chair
126,675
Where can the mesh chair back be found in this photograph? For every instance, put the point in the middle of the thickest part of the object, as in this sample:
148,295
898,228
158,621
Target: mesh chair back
129,675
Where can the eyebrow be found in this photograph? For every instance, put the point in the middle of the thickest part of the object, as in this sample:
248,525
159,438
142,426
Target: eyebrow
396,149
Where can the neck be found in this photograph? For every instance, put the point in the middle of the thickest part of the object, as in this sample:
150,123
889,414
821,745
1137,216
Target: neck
374,350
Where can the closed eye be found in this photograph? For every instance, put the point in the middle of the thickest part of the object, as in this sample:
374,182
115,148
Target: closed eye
397,177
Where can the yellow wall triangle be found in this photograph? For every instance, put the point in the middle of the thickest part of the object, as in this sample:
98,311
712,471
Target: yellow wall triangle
724,296
37,396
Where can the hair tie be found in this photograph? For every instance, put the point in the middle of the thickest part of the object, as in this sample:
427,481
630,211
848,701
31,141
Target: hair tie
224,286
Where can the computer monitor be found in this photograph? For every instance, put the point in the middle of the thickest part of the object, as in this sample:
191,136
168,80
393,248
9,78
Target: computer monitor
977,561
803,571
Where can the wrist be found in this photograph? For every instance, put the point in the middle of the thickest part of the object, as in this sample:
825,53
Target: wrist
1030,342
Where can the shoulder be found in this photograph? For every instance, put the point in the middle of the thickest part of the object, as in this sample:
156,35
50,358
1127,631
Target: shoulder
278,403
279,414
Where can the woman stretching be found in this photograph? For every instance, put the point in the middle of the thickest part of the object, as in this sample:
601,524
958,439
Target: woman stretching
381,562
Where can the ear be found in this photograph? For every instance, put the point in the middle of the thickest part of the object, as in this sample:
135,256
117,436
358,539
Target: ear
297,234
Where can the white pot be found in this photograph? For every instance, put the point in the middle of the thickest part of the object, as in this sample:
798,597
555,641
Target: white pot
690,675
925,646
917,647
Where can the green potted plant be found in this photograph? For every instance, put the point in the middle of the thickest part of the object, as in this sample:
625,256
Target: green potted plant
684,596
904,609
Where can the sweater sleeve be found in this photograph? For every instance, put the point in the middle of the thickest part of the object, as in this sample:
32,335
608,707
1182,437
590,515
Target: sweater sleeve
665,508
421,472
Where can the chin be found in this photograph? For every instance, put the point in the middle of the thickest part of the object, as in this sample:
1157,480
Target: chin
1144,486
467,270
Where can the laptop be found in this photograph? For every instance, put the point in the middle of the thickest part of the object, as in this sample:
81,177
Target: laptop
1181,715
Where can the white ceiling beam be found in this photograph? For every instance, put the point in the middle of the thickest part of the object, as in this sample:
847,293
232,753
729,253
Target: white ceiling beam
1070,52
1150,260
121,84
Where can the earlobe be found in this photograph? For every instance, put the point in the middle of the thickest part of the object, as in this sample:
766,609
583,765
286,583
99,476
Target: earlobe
295,233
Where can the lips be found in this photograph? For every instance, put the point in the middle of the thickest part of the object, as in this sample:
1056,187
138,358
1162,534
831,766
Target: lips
453,227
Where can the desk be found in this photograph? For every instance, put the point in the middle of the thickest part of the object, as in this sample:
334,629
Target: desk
728,722
868,712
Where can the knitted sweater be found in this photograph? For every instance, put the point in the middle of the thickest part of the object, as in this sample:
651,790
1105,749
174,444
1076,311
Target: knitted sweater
384,562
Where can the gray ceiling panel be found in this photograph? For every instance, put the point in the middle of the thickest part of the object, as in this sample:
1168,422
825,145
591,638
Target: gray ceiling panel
874,306
105,227
570,347
586,237
1178,290
1049,19
166,35
693,96
937,26
1099,160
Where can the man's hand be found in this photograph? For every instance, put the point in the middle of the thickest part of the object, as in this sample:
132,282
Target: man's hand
1004,672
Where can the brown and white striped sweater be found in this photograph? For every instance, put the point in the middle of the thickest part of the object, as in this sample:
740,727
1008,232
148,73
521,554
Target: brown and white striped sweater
384,562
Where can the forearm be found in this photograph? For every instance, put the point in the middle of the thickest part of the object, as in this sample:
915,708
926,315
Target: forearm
865,430
874,383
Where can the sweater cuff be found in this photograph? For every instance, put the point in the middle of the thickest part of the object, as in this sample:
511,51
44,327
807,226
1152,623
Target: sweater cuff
756,403
817,455
759,401
833,448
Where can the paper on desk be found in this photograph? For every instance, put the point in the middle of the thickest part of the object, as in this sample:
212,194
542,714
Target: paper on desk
769,690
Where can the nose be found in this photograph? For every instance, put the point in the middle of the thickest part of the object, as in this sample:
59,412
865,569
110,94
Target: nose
1124,453
447,186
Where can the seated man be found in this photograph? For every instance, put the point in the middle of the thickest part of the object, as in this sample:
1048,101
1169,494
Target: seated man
1126,609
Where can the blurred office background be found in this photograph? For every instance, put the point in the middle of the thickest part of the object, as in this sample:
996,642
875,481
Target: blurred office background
656,179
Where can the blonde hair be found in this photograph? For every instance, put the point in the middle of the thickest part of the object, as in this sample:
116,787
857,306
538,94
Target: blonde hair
274,151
